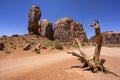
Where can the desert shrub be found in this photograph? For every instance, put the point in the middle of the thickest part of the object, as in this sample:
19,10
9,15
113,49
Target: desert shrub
94,44
32,43
58,46
37,51
8,52
14,46
75,45
26,41
52,48
23,38
83,44
50,43
67,45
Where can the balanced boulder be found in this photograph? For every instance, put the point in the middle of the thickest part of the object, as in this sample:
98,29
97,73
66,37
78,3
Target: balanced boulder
33,18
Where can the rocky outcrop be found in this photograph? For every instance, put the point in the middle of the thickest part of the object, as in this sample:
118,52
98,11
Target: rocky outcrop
109,37
33,18
65,30
46,29
43,28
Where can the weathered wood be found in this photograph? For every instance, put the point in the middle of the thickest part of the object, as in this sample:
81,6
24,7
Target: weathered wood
98,41
110,71
90,64
80,47
82,58
95,64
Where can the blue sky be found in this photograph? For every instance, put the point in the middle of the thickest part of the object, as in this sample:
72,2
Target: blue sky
14,14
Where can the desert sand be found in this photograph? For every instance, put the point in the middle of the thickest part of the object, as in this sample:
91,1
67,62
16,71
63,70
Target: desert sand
55,65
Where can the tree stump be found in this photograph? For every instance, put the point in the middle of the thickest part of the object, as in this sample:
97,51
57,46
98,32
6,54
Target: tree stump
95,64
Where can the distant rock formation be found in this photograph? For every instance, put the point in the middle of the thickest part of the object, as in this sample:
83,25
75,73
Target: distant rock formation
15,35
46,29
109,37
65,30
33,18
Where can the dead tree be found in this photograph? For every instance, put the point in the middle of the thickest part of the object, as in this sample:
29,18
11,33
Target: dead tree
95,64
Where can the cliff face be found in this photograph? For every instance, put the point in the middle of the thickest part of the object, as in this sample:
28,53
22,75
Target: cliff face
109,37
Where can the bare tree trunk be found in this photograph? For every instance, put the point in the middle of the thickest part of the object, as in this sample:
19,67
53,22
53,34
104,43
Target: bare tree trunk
98,41
94,64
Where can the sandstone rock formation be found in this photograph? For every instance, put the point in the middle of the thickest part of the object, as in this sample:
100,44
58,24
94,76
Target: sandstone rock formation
65,30
109,37
46,29
33,18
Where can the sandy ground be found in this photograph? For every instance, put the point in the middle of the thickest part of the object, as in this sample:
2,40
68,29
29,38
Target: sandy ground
56,66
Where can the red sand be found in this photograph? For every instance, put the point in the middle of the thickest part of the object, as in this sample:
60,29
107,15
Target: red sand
55,66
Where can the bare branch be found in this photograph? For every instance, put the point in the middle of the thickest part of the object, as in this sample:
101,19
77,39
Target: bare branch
110,71
80,48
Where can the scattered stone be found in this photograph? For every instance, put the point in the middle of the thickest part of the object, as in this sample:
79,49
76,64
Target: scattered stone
43,47
8,52
33,18
27,46
37,48
37,51
2,46
39,44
